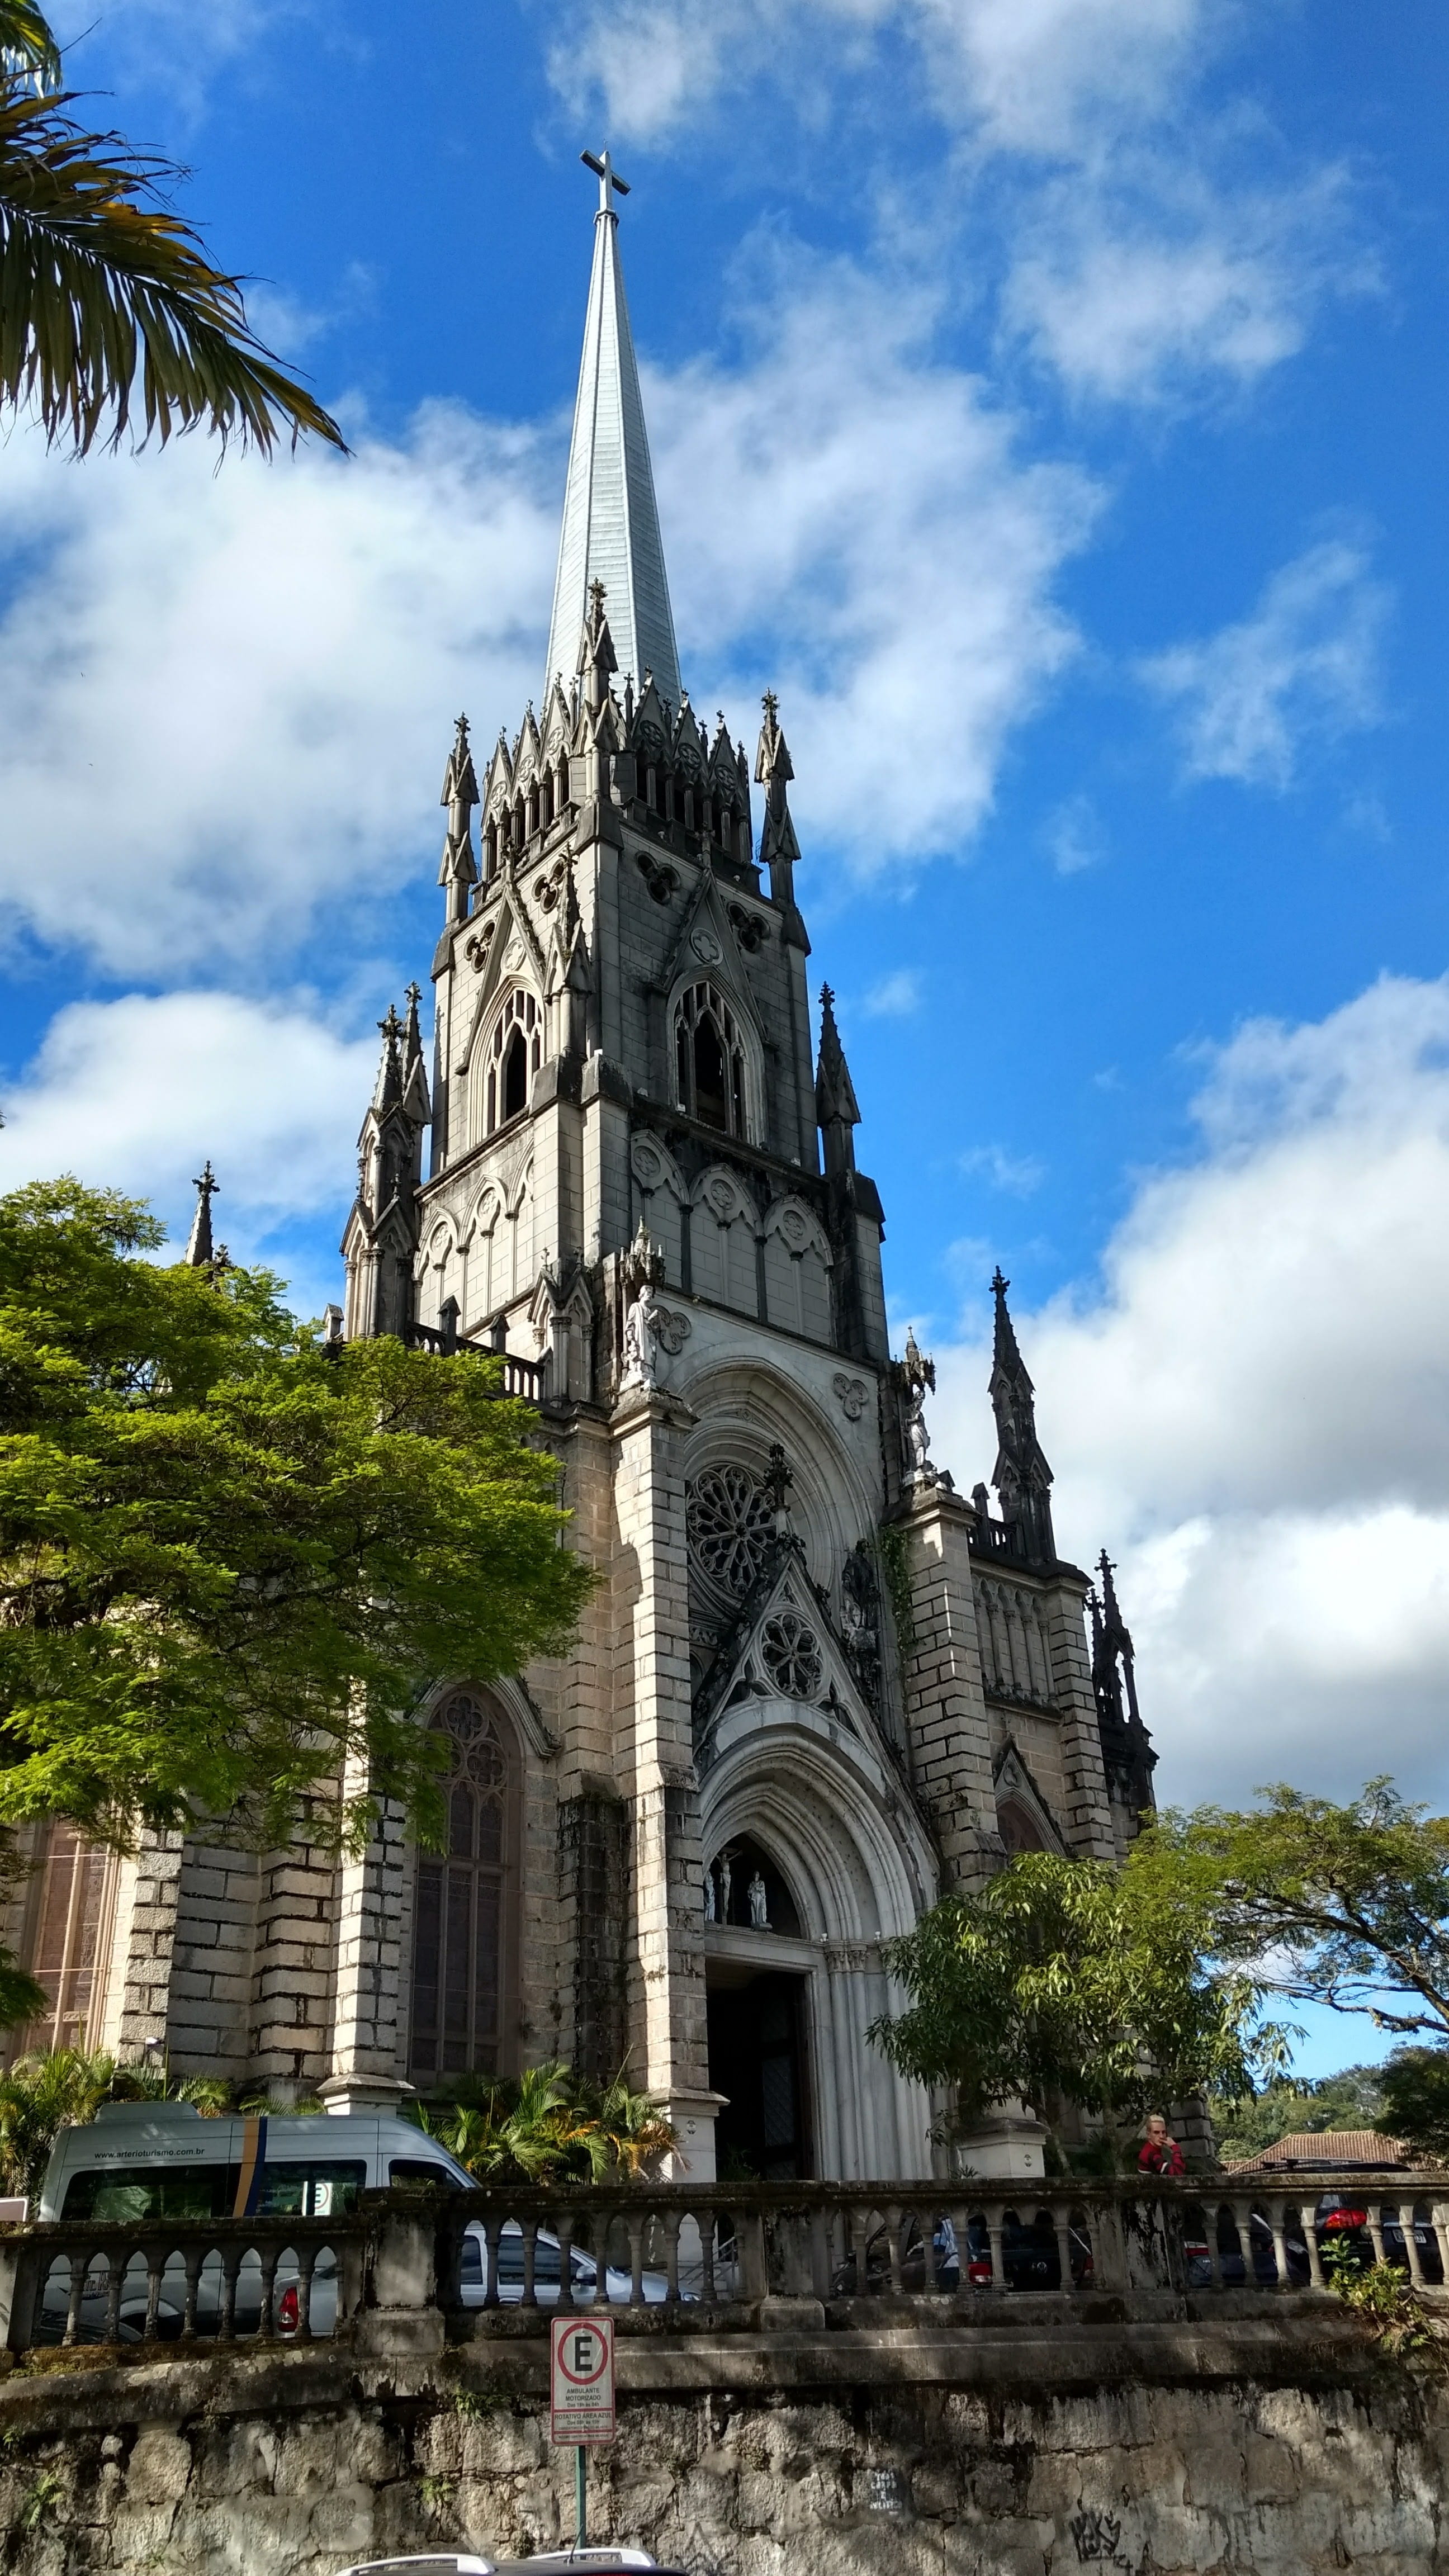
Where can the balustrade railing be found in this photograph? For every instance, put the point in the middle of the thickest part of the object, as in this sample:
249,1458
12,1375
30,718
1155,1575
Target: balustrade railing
159,2281
490,2260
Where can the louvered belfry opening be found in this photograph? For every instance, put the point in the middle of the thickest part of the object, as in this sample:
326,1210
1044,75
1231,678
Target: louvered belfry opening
465,1934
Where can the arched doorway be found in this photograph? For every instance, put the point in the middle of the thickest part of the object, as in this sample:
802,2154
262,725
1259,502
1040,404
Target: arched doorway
811,1817
757,2021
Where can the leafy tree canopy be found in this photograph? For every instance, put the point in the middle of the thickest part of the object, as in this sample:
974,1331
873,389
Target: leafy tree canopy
1352,2099
1078,1979
231,1560
1414,2101
1344,1905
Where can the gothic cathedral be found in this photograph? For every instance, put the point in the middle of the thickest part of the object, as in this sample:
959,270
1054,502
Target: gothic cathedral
817,1685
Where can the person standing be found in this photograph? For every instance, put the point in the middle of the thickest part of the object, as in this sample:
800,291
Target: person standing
1160,2152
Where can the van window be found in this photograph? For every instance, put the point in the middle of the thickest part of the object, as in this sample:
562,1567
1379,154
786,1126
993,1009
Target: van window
152,2191
414,2170
311,2190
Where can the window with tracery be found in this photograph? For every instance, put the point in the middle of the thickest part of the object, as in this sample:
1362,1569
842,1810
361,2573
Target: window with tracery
790,1651
464,1935
709,1061
515,1052
728,1518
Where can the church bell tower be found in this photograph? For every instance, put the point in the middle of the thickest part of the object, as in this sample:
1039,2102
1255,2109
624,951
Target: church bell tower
816,1684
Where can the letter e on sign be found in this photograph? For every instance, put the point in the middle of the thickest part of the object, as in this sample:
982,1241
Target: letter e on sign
581,2379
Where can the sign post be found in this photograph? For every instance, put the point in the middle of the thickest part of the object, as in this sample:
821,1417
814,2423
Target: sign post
581,2397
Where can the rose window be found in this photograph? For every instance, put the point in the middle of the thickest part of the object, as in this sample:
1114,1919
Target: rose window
728,1516
791,1653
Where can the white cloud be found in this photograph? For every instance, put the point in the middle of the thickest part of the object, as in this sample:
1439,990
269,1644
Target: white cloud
1029,75
1152,278
1156,240
873,547
1016,1174
166,45
895,997
1253,1409
226,693
1302,667
135,1094
1074,836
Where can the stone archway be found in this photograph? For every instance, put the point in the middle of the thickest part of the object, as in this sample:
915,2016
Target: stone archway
858,1871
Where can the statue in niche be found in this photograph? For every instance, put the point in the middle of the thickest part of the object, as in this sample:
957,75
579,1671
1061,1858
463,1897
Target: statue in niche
860,1618
709,1912
915,1375
725,1876
641,1271
759,1904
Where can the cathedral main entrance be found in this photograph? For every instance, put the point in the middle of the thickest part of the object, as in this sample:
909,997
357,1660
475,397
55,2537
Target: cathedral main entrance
757,2060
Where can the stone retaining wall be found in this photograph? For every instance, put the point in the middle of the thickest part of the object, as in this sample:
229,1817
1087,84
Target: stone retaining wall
1161,2451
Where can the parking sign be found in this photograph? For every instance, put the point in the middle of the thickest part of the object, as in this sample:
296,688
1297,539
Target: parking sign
581,2379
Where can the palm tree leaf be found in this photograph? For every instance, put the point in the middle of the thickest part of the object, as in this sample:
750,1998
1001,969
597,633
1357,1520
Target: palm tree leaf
27,43
102,291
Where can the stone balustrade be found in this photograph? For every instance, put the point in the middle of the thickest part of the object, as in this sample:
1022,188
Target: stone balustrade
459,2267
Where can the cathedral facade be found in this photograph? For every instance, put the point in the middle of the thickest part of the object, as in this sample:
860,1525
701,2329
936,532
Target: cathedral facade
817,1685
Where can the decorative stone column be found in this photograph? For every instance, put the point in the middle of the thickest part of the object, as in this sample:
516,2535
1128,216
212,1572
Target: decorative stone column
653,1731
367,2036
946,1720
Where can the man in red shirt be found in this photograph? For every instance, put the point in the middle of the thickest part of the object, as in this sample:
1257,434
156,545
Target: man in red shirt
1160,2153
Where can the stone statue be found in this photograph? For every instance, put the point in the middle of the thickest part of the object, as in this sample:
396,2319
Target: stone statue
914,1375
725,1875
641,1271
759,1904
709,1913
860,1619
641,1341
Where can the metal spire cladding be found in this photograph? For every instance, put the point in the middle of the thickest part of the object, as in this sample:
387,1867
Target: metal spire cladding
611,522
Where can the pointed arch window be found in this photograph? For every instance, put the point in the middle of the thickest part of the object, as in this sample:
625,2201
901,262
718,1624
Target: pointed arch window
515,1052
709,1061
465,1933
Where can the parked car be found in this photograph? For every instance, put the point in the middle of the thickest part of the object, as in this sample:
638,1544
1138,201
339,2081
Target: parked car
1339,2220
604,2561
1030,2258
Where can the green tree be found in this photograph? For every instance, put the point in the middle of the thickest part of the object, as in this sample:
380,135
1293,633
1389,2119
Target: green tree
1078,1979
1344,1905
1414,2100
548,2125
104,292
231,1560
1351,2099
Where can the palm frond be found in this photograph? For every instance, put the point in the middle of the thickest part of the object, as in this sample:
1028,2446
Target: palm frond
101,290
27,43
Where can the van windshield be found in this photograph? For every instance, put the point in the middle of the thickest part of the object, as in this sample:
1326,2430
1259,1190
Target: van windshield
152,2191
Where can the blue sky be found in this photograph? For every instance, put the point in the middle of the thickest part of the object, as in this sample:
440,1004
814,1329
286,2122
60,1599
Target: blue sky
1048,397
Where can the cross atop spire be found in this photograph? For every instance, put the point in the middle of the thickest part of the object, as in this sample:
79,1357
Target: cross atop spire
611,519
610,183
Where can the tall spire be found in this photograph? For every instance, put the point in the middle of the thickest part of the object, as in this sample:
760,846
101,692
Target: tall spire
779,848
200,1252
1022,1477
611,521
836,1107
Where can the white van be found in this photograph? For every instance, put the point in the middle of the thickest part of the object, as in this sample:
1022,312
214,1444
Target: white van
139,2162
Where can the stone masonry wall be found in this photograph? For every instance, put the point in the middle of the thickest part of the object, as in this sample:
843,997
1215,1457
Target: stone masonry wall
296,2465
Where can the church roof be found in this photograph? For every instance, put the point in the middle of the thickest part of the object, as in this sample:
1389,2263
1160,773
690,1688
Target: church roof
611,521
